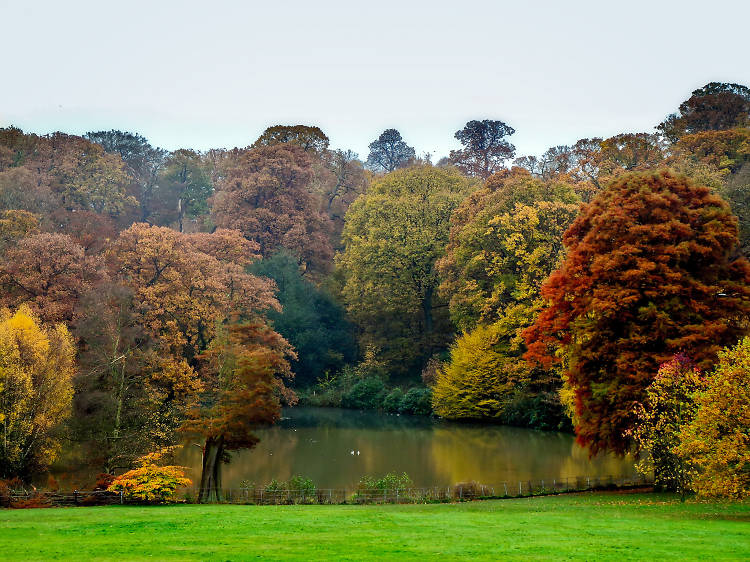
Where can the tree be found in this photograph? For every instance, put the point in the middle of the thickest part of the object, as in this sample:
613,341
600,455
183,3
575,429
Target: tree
310,319
48,272
669,406
85,177
389,152
309,138
241,377
392,238
714,107
265,195
505,239
348,181
481,379
722,160
113,404
15,225
716,439
182,290
183,189
485,147
142,162
649,272
36,371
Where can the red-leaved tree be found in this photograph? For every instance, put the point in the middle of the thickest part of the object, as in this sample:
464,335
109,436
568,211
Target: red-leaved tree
651,270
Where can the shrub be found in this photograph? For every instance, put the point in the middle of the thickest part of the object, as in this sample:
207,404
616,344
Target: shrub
393,401
301,484
151,482
367,394
390,482
417,401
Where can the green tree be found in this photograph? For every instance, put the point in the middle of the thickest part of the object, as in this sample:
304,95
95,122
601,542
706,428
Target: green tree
310,319
393,236
309,138
389,151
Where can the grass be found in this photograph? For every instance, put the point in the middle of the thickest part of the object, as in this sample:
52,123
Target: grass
594,526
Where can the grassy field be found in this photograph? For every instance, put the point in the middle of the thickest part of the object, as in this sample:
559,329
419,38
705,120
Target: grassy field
586,526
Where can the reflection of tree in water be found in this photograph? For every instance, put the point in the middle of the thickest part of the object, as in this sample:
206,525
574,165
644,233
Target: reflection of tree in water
317,443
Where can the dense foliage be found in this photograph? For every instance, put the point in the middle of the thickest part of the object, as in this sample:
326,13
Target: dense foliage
716,439
650,271
148,291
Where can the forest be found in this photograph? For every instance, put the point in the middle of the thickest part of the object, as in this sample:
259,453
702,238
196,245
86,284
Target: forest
601,288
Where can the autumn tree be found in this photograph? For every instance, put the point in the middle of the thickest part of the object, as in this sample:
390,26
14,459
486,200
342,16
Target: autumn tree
242,374
505,239
389,152
716,439
48,272
393,236
36,372
669,406
15,225
485,147
649,272
265,194
721,159
714,107
184,284
309,138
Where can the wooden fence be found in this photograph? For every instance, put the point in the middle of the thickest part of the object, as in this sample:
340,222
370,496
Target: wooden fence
464,491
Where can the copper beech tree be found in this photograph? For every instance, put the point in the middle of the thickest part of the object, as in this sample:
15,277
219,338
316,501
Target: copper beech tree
242,378
651,270
265,195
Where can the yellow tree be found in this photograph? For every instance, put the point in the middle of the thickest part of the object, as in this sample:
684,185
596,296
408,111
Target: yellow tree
36,390
716,441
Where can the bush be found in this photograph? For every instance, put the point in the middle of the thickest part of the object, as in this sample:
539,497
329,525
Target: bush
417,401
389,482
301,484
393,401
367,394
151,482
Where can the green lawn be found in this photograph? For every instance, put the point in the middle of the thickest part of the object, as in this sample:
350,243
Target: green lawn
586,526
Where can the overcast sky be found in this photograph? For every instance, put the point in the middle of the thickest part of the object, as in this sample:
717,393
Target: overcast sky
216,73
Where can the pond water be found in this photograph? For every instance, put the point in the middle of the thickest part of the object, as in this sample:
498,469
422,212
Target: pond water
335,447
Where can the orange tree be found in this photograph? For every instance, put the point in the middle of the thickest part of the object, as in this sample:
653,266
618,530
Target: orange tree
650,271
242,386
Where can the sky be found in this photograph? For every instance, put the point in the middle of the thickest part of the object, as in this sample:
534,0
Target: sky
215,74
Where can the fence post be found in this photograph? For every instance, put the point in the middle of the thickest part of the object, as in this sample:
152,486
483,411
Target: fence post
520,491
505,487
75,497
120,497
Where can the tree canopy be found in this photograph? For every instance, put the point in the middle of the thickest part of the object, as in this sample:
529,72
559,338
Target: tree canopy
649,271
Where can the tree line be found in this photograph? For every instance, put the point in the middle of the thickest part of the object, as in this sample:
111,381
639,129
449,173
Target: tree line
149,295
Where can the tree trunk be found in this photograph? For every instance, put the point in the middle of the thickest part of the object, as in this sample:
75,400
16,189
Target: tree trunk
213,452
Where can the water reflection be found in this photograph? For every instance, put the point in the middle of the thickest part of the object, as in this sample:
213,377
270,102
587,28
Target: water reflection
336,447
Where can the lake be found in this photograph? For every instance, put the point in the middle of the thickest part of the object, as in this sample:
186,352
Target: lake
335,447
